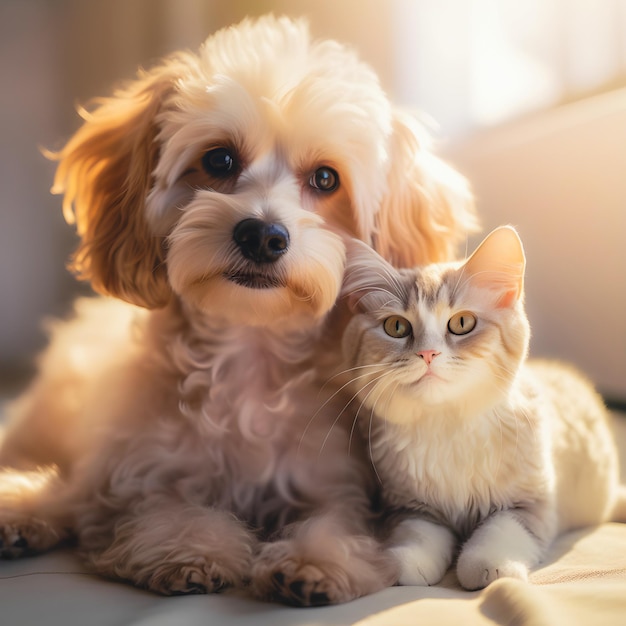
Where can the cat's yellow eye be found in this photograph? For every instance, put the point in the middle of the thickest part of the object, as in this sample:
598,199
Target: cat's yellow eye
397,327
462,323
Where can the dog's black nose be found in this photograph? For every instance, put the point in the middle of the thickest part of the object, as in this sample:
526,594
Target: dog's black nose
260,241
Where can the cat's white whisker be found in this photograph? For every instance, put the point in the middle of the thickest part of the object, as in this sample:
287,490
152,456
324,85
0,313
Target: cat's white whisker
387,274
369,290
369,447
355,421
354,368
330,399
343,410
374,382
458,282
371,422
532,427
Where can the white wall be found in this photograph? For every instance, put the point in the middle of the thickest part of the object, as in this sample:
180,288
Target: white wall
560,177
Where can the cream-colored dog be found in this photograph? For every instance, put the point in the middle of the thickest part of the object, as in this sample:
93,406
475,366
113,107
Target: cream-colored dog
172,433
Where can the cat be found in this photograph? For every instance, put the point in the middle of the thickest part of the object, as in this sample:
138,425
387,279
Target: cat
481,454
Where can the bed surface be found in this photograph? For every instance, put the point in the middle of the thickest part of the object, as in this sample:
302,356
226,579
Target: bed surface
582,582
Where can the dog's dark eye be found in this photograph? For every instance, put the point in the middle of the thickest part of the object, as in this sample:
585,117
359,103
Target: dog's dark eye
219,162
324,179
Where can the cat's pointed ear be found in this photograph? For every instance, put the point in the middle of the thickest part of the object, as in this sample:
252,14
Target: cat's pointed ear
498,264
366,272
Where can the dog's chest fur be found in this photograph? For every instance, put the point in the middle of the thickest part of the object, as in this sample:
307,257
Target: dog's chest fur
247,394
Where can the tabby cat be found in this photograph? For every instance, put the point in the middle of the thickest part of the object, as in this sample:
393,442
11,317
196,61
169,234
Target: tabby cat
480,454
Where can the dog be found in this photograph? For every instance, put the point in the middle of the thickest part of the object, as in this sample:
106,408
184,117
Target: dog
176,428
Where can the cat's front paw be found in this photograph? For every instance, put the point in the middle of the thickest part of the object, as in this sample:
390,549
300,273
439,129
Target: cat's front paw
418,566
475,572
423,551
500,548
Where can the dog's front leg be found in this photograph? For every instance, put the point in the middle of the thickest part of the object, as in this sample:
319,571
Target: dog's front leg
32,518
325,559
170,547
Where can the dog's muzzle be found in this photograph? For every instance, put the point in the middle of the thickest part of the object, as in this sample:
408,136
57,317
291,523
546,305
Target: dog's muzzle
263,243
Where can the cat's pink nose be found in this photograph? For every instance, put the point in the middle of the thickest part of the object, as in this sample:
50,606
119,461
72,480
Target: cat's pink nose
428,355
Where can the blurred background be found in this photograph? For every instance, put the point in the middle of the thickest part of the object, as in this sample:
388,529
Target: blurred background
528,99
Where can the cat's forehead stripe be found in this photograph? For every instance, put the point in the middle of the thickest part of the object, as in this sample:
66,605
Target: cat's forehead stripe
429,288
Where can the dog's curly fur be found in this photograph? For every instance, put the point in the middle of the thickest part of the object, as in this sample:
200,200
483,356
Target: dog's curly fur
175,427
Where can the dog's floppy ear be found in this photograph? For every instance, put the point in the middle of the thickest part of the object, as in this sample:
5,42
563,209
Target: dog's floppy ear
428,208
105,172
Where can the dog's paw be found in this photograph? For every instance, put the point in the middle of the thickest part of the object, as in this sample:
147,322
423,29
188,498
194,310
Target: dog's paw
26,537
279,575
199,576
301,585
172,549
284,573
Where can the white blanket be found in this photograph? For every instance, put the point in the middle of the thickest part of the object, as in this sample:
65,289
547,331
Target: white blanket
582,582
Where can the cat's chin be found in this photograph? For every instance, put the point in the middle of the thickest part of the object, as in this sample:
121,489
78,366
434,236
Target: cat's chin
430,389
433,397
407,404
428,383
